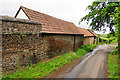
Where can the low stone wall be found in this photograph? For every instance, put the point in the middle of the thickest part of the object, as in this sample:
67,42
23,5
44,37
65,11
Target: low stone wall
20,39
21,51
22,43
19,26
29,48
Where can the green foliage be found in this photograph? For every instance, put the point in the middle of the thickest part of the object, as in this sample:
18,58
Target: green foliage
115,51
101,13
81,52
104,14
42,69
88,48
100,43
104,39
108,37
113,65
113,40
22,35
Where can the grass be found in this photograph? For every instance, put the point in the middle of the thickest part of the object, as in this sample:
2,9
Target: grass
113,65
113,42
103,38
101,43
111,39
43,69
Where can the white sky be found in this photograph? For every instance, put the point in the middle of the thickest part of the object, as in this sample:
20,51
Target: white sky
69,10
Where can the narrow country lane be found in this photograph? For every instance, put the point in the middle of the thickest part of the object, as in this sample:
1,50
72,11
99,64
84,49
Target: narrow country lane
96,66
92,65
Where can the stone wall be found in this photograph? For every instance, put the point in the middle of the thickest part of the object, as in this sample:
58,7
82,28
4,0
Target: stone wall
88,40
22,50
79,40
0,48
22,43
58,43
19,26
20,40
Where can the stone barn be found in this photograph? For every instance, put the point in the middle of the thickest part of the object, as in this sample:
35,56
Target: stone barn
54,29
88,37
35,37
96,37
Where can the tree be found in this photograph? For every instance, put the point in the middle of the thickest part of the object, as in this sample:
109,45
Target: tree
103,15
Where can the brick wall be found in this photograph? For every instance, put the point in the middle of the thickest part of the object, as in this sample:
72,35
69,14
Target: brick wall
22,43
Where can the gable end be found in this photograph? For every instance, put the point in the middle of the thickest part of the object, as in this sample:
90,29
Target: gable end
21,14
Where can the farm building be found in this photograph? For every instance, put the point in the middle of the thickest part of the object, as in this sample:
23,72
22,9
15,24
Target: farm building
88,37
35,37
49,24
54,28
96,37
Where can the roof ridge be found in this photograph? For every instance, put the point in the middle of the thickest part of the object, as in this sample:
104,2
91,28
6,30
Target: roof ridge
84,31
45,14
49,23
93,32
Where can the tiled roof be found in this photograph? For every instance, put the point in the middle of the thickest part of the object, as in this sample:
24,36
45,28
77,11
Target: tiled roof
51,24
93,33
85,32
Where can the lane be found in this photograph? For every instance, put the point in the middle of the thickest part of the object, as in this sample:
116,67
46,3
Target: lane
97,66
94,65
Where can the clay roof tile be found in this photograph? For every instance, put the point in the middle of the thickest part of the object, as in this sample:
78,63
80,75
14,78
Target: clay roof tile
58,25
93,33
85,32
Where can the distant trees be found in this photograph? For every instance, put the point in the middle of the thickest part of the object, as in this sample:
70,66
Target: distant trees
103,15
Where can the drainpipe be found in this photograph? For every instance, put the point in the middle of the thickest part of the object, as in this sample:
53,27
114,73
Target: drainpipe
41,32
74,44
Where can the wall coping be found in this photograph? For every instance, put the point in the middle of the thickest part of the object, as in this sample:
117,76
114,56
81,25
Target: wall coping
12,19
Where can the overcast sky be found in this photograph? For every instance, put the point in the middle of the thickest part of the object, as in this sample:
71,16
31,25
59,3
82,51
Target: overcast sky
69,10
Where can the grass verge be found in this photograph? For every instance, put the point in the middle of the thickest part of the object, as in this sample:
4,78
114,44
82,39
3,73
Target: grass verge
113,42
113,65
42,69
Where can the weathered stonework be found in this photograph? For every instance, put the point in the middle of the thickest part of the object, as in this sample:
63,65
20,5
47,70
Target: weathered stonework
88,40
20,39
0,48
22,43
58,43
17,26
19,50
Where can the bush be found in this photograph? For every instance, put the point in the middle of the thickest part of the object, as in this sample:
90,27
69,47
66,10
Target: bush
115,51
89,47
111,40
100,43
